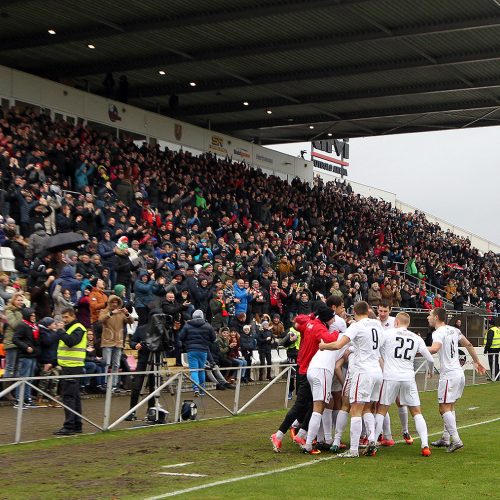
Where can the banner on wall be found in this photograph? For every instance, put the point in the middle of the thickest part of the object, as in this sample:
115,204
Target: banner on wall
217,145
331,155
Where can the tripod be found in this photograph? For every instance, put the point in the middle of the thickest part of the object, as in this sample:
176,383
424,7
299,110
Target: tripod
156,413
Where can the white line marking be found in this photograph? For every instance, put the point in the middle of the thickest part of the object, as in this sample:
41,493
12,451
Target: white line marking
473,408
283,469
180,474
183,464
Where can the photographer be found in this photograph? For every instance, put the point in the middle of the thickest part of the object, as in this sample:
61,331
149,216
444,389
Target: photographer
138,342
174,310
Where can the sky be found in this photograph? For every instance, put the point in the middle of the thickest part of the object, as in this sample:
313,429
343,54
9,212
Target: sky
452,174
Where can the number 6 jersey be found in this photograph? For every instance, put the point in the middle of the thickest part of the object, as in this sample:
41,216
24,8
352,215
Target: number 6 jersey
399,351
449,338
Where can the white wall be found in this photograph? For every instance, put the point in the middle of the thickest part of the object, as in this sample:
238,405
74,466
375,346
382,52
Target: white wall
19,86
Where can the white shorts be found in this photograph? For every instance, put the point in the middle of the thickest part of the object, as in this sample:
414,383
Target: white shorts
336,385
450,389
407,392
320,381
346,388
365,387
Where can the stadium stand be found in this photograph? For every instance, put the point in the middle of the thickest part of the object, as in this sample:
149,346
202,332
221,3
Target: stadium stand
165,229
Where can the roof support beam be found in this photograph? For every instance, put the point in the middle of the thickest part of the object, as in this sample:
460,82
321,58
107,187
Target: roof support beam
277,102
167,59
322,72
260,8
359,115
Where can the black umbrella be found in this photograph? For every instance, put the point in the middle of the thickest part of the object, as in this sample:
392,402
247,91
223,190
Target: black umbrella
63,241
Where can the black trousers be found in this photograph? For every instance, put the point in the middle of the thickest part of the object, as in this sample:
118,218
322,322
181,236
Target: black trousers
303,404
70,391
139,381
265,358
493,356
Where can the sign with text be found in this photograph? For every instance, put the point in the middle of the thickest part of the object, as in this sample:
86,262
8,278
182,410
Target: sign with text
331,155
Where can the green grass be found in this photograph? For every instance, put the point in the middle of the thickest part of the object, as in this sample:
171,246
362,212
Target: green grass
124,464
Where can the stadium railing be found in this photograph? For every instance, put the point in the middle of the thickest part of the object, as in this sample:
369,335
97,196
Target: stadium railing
113,410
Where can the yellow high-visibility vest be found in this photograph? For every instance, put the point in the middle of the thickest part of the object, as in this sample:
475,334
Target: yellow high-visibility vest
73,356
495,344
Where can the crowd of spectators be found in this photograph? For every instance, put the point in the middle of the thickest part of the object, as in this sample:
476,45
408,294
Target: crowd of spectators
170,231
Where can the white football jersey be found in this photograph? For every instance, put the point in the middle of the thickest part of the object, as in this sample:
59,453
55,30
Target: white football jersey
367,337
449,337
388,323
327,359
399,351
338,325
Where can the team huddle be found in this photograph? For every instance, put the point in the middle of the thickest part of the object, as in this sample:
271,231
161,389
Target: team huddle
362,370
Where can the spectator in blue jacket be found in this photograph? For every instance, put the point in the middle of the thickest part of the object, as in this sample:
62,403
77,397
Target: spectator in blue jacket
82,174
197,335
243,296
68,281
147,292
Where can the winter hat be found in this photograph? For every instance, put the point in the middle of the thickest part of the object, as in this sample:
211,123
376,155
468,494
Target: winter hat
265,324
198,314
47,321
93,282
122,243
325,314
118,289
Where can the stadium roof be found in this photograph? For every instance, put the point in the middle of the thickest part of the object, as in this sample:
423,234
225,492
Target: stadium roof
305,68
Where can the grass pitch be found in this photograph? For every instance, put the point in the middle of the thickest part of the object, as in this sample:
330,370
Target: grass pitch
125,464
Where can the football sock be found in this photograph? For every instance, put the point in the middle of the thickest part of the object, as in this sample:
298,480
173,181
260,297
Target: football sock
327,425
302,434
312,432
342,418
446,434
356,425
334,418
451,425
403,416
320,437
363,428
296,424
386,427
370,426
421,427
379,423
280,435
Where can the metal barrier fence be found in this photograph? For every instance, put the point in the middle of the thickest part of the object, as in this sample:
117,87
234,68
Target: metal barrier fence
113,410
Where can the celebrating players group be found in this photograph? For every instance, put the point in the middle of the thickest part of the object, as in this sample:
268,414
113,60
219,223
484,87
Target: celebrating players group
361,370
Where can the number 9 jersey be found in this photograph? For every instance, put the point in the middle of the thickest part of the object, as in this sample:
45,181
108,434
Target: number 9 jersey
367,337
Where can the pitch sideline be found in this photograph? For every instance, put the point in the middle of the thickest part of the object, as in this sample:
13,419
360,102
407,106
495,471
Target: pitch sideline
285,469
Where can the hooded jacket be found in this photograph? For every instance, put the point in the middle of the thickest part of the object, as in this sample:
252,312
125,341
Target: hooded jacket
67,280
36,243
244,297
143,291
113,324
14,316
97,302
197,335
48,345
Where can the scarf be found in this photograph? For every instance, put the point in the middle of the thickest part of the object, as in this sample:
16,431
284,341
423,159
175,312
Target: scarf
34,328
